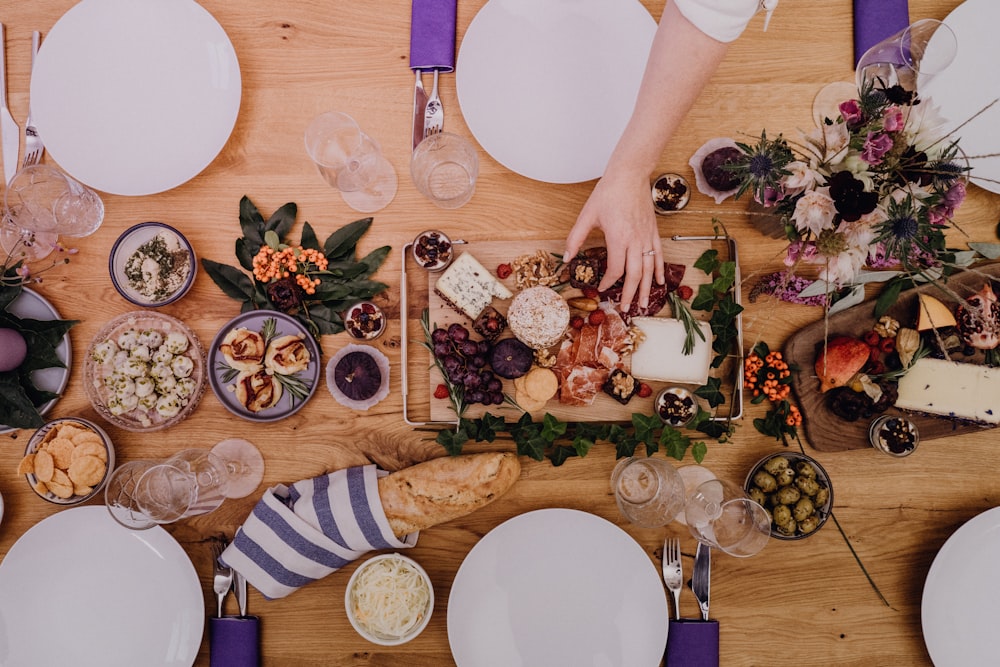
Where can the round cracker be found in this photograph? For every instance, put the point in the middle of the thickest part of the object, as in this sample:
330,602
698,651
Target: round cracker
541,384
61,450
90,449
44,465
527,403
87,470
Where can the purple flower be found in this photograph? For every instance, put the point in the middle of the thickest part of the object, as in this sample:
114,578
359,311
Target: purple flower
851,112
892,119
800,251
875,148
849,196
955,196
786,286
772,196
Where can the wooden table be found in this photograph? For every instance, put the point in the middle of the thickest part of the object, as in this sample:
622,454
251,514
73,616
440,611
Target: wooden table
797,602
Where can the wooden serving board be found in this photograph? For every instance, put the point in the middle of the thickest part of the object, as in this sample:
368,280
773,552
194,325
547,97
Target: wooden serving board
826,431
604,409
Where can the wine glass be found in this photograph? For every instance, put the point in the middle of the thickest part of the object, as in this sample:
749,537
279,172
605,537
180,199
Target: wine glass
142,494
351,161
720,514
912,56
649,492
244,464
40,205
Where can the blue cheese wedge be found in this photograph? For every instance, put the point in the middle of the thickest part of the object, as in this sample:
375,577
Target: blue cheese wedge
660,355
950,389
468,287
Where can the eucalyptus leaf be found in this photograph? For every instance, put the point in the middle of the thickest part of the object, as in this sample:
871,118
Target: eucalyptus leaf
233,282
251,222
865,277
816,288
966,257
987,250
855,296
342,243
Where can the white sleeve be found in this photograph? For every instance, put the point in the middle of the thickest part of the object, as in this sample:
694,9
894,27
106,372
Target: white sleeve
723,20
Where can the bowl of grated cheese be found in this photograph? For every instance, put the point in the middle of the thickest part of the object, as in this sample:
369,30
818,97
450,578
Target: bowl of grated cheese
389,599
152,264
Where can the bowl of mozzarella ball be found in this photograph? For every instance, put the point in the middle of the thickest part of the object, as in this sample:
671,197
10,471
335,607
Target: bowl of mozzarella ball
389,599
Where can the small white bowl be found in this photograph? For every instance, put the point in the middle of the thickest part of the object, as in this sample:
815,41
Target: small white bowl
131,243
368,633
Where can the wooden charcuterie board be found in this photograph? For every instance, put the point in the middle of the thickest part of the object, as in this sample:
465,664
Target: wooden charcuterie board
604,409
824,430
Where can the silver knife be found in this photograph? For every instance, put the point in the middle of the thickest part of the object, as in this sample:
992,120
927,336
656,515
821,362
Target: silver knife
419,104
701,579
10,133
240,589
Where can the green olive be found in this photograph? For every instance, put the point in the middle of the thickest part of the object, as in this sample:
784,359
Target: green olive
788,495
787,528
785,477
765,481
809,524
805,469
782,514
807,485
776,464
757,496
803,509
822,496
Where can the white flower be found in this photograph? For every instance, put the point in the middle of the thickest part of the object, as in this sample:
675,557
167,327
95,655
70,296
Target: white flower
800,178
828,144
924,125
814,211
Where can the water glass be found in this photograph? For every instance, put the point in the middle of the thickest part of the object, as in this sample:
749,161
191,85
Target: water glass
910,57
444,167
40,205
721,515
649,492
351,161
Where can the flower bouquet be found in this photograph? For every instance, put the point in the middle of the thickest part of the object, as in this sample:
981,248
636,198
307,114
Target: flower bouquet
875,187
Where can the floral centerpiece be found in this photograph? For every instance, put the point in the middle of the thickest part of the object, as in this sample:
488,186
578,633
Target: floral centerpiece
875,187
312,281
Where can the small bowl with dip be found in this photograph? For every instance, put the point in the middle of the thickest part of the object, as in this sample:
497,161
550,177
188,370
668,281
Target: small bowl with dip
152,265
389,599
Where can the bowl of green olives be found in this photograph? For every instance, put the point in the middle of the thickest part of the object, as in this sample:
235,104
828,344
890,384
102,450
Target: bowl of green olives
796,492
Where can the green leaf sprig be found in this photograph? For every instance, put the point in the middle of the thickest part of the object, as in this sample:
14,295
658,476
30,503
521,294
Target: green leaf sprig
345,280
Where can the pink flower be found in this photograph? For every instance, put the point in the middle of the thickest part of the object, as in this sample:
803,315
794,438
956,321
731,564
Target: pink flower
875,148
24,271
814,211
771,196
892,119
955,196
851,113
800,251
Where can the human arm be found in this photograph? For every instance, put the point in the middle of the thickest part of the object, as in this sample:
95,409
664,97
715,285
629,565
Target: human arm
681,61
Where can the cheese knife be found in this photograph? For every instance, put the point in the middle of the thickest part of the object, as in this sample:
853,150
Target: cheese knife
10,133
701,579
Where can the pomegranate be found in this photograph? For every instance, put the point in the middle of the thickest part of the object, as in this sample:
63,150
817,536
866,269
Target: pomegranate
979,319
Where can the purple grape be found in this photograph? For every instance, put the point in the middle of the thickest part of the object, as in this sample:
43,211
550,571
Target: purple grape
439,336
478,362
456,376
471,380
468,348
442,350
485,376
458,333
474,396
496,398
451,363
494,385
484,347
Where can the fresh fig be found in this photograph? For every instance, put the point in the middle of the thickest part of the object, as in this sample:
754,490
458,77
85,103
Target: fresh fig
979,319
358,376
511,358
839,360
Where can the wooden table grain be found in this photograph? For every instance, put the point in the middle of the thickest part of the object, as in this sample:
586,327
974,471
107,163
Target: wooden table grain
796,603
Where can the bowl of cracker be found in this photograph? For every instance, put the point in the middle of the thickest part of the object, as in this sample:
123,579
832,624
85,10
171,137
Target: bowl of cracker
67,460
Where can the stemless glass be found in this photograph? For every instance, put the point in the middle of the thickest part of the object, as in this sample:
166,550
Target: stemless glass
351,161
721,515
444,168
649,492
910,57
40,205
142,494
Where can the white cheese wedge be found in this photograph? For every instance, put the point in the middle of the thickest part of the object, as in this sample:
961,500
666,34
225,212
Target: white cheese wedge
951,389
660,355
468,287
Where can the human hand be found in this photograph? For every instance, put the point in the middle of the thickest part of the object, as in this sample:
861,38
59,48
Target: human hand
622,208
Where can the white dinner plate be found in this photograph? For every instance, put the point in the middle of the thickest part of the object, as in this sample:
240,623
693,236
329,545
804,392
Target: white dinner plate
969,84
547,86
79,589
31,305
960,606
560,588
135,97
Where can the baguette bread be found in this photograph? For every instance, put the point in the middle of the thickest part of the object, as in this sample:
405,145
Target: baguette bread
445,488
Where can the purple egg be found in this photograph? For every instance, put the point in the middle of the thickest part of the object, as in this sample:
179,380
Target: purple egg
13,349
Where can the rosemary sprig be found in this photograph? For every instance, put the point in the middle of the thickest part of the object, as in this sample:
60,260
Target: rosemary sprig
268,330
228,372
691,325
294,385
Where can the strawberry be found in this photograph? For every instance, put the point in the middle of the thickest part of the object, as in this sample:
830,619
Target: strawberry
592,293
504,271
684,292
645,391
576,322
441,391
596,317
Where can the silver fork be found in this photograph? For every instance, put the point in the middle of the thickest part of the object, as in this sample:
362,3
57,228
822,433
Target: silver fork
673,571
223,580
33,144
434,112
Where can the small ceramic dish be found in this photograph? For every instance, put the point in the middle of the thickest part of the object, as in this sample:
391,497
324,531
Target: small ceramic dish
433,250
79,459
364,321
797,483
404,615
676,406
671,192
893,435
152,264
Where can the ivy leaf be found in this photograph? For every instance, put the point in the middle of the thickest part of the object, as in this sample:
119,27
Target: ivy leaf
452,441
309,240
713,429
698,451
560,454
708,262
251,222
533,447
645,431
705,299
711,391
341,244
582,445
675,442
625,447
552,428
281,221
233,282
488,426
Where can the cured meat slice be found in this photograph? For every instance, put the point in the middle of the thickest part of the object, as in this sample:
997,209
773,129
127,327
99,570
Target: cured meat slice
581,385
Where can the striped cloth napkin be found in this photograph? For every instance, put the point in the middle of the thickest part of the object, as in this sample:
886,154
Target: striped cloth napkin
296,535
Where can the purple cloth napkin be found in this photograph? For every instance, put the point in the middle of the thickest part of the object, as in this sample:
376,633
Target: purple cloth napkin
234,641
874,20
432,35
692,643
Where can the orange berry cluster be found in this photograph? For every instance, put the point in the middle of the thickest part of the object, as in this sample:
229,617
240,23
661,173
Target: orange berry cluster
794,417
270,264
764,376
